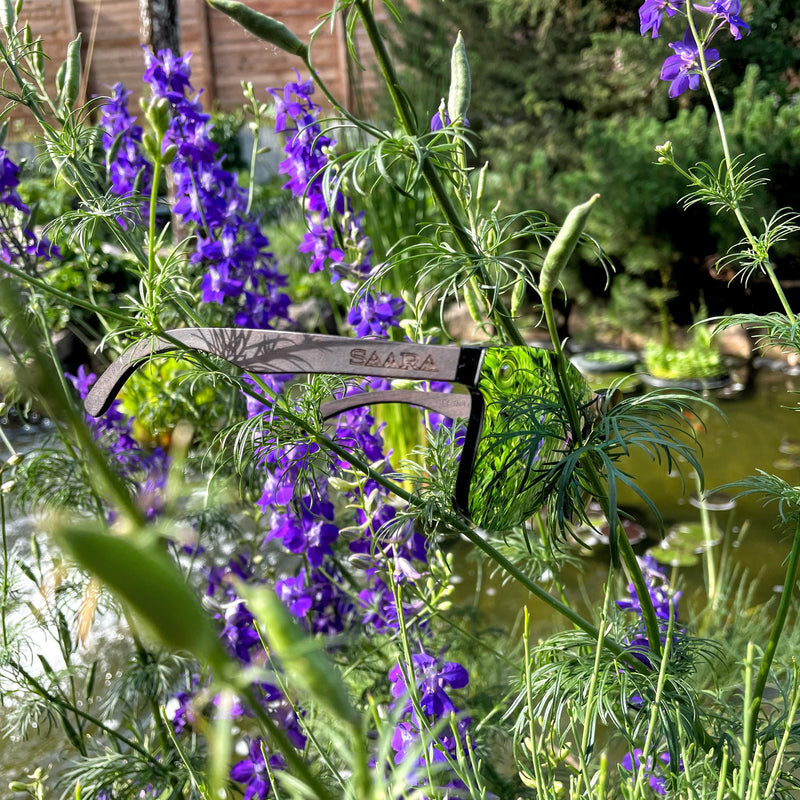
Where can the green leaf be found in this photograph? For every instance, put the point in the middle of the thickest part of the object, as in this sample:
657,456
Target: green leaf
300,655
149,583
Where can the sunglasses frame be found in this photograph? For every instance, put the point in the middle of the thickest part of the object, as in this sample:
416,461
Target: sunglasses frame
288,352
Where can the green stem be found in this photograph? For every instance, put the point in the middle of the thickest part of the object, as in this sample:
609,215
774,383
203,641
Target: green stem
114,734
4,597
596,485
774,638
500,315
591,700
72,300
705,521
735,207
150,291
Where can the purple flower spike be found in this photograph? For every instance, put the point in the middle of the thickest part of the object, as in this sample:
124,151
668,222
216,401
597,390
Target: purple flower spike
683,69
729,11
651,14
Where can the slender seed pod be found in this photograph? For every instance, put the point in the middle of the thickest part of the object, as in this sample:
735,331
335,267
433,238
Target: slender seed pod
299,654
60,75
168,156
563,245
149,583
38,57
472,300
262,26
517,295
460,82
72,75
8,16
113,151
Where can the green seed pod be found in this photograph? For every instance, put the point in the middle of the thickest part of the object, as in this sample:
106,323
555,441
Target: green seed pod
147,581
8,17
38,57
60,75
299,654
563,245
262,26
72,75
517,295
460,82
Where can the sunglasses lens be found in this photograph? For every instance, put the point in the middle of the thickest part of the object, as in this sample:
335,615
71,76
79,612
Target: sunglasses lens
525,431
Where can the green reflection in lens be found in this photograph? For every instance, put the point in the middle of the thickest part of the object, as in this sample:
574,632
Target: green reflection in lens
525,431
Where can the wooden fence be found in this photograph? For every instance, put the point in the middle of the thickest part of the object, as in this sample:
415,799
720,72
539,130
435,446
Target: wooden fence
223,54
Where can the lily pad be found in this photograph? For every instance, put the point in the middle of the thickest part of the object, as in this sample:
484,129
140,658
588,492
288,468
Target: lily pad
673,557
692,538
716,501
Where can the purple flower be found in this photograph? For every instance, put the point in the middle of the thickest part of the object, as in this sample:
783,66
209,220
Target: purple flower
683,69
651,14
9,180
662,598
431,676
441,119
375,314
16,240
180,713
311,531
114,433
658,586
653,771
316,597
253,771
729,11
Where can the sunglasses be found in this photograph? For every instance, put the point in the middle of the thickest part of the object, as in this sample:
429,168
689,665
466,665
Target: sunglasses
517,425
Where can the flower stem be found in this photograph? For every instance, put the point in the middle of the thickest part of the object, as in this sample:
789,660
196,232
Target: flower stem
765,264
500,315
150,292
596,485
774,638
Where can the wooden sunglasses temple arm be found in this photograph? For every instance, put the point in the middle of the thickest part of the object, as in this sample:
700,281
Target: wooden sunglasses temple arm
274,352
452,406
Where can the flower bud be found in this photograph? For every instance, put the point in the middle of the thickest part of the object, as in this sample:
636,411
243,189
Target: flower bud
168,156
158,115
665,153
342,485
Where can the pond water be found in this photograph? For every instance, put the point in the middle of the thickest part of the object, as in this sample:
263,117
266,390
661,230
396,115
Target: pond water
758,428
